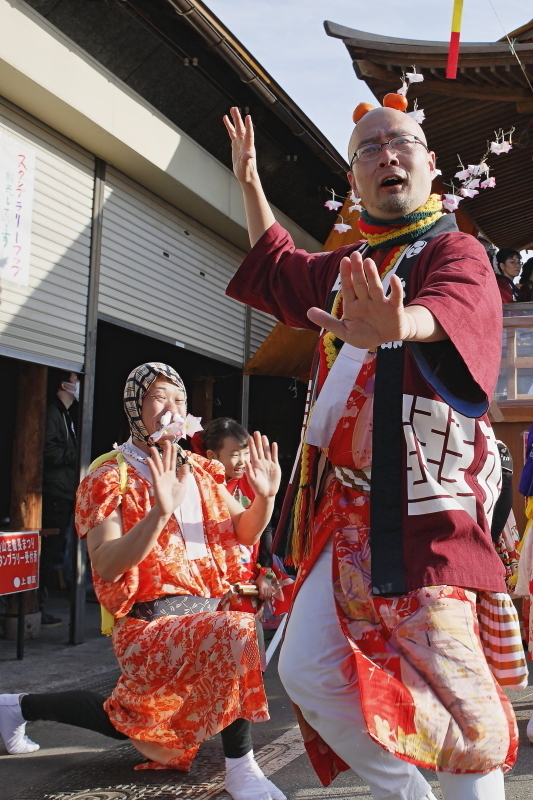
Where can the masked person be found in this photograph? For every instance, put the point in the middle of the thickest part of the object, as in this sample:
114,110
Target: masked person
389,520
163,536
60,481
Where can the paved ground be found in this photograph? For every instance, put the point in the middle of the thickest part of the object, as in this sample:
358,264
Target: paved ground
73,764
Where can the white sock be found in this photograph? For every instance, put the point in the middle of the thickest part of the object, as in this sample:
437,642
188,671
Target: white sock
242,780
13,726
275,793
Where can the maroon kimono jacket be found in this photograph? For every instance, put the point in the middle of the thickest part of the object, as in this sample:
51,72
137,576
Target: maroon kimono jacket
435,466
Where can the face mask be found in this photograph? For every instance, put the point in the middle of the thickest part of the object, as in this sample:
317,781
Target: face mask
73,389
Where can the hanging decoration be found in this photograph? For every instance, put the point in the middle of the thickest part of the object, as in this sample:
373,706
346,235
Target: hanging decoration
455,35
474,177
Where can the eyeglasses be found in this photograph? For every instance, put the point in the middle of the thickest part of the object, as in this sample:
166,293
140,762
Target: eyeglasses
400,144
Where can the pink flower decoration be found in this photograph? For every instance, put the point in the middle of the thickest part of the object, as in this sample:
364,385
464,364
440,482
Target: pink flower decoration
472,184
341,227
333,205
463,175
451,202
500,147
468,192
175,427
192,425
490,183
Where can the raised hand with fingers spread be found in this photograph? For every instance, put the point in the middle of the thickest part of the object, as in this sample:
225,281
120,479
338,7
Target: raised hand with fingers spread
170,485
369,317
263,470
242,146
258,212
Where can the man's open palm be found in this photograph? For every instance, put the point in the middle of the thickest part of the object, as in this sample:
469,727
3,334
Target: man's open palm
369,318
242,146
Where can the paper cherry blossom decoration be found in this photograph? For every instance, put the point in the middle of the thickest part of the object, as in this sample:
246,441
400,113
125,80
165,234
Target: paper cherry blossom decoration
451,202
463,175
473,184
500,147
414,77
490,183
417,115
477,170
342,227
333,205
465,192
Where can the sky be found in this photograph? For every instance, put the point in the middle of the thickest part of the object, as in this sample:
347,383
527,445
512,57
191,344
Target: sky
287,37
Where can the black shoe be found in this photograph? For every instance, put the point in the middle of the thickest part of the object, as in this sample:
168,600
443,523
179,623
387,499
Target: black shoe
49,621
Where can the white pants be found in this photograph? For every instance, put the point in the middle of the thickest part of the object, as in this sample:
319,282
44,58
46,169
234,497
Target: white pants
317,669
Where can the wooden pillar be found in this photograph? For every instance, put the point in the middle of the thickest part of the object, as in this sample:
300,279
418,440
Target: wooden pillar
201,401
27,469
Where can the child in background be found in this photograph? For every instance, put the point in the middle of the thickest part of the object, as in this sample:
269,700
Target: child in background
226,441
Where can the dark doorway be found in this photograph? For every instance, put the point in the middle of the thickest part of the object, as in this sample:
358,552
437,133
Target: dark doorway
213,388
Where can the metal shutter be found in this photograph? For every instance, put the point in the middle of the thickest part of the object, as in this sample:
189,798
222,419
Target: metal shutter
45,321
261,326
166,274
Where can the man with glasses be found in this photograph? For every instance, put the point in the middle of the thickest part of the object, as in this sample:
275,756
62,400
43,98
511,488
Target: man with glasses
509,264
389,516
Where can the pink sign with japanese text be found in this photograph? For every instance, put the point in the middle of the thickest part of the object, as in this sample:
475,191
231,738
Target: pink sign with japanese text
17,172
19,561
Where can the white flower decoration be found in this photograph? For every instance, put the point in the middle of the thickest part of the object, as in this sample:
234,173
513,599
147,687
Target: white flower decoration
500,147
333,205
342,227
451,202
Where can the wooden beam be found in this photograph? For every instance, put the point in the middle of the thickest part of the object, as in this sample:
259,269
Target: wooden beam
367,69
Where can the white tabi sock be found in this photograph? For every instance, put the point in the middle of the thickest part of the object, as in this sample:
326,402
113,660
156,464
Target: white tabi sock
13,726
275,793
245,781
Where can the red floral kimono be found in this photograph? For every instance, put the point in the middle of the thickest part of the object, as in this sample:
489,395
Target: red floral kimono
183,678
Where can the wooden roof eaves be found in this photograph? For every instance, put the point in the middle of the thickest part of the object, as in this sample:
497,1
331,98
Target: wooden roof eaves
367,69
389,44
520,33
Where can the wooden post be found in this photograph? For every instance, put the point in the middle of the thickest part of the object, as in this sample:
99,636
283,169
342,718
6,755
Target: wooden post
27,469
77,594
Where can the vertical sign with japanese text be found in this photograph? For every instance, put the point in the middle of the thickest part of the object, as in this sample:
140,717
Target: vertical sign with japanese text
17,173
19,561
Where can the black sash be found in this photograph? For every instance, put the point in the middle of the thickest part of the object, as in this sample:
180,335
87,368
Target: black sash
386,545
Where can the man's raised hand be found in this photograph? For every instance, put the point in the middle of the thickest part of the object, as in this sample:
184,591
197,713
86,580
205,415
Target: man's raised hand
369,318
242,146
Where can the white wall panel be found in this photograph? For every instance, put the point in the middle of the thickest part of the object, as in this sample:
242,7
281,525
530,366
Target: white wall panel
45,321
181,295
